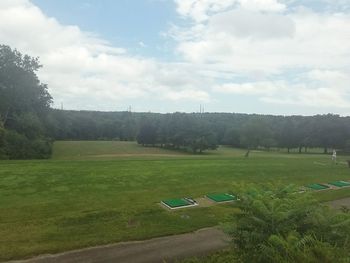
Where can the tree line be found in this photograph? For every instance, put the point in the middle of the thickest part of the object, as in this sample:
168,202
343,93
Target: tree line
29,125
197,132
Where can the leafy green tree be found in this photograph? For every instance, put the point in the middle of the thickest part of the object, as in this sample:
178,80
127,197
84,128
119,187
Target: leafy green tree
20,89
231,137
329,131
147,135
282,225
297,248
29,125
287,136
24,105
2,142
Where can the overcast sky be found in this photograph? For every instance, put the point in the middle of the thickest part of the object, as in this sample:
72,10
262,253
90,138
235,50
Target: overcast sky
252,56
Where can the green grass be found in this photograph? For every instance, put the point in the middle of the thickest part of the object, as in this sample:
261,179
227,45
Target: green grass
221,197
95,150
113,192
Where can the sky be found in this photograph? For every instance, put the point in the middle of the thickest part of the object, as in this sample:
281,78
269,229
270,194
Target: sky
286,57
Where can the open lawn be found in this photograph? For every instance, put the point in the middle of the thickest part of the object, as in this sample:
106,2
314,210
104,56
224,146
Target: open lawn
82,150
94,193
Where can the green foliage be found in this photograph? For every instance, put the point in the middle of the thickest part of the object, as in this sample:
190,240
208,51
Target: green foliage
191,130
232,137
178,131
2,142
297,248
18,146
254,132
200,144
20,88
29,125
282,225
24,103
147,135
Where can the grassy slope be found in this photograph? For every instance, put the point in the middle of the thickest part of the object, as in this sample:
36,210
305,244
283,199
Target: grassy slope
82,150
56,205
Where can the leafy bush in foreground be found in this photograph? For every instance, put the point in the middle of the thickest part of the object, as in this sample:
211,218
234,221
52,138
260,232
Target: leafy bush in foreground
280,225
18,146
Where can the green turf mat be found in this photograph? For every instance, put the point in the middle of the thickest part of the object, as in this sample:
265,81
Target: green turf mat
221,197
340,183
317,186
176,202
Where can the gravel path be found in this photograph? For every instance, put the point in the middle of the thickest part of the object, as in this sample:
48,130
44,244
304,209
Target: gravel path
154,250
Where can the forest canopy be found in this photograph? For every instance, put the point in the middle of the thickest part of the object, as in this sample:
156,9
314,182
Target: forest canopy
200,131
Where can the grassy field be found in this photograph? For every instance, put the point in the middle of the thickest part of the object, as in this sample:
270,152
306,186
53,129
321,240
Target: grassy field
94,193
83,150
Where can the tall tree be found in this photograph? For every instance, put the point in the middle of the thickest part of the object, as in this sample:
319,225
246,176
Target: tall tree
147,134
20,89
24,104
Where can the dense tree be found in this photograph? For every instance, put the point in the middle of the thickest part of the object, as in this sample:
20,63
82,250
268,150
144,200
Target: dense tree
147,134
24,104
2,142
231,137
194,131
20,89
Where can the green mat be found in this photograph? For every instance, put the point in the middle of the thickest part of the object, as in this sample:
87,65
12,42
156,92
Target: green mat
173,203
340,183
317,186
221,197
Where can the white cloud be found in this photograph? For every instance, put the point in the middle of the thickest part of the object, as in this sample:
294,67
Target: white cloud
202,10
318,98
262,49
85,71
242,41
199,10
245,24
317,88
263,5
264,88
294,56
188,95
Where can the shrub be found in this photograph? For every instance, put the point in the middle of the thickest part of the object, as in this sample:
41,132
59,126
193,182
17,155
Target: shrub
18,146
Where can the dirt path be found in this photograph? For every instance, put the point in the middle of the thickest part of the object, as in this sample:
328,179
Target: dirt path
339,203
154,250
